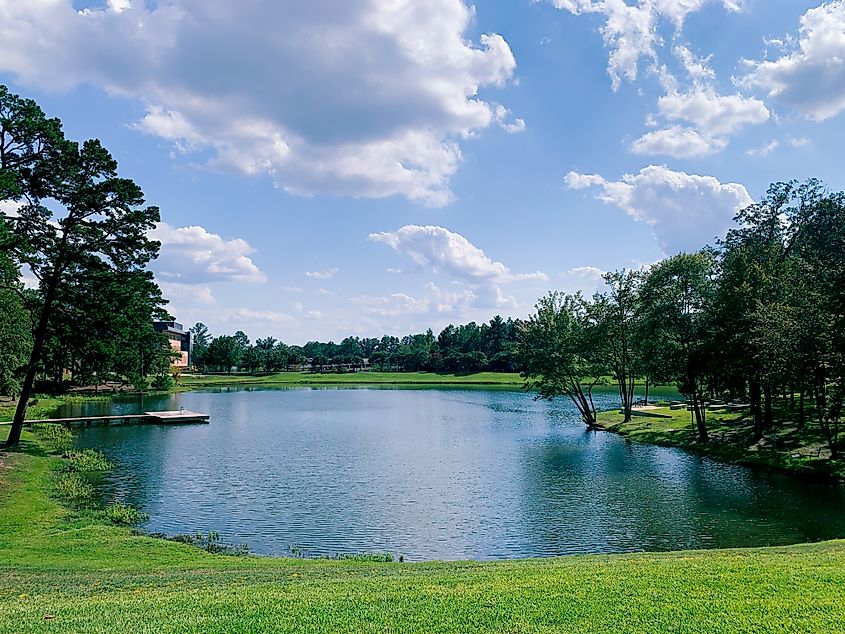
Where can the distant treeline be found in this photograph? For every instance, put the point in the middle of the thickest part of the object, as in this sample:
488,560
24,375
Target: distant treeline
466,348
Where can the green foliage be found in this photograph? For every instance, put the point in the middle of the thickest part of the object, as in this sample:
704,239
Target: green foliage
85,461
96,297
210,543
558,351
372,558
73,489
162,382
56,438
124,515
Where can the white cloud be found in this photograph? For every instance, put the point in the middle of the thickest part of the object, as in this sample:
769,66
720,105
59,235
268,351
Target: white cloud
322,275
187,293
504,118
684,210
799,141
435,302
631,30
764,150
713,117
367,99
9,208
678,142
439,248
811,76
193,255
713,114
250,316
587,279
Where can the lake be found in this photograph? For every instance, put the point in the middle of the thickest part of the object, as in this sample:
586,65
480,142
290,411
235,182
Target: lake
438,474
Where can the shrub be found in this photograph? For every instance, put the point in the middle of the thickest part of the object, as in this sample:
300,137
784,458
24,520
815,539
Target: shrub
85,461
73,488
162,382
378,558
54,437
125,515
210,542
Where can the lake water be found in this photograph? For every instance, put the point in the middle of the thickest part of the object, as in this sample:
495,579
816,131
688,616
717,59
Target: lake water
439,474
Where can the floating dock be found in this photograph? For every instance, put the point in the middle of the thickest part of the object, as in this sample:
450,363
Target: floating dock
175,417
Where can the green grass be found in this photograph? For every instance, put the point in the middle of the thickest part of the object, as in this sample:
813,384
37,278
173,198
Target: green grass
731,439
511,379
70,571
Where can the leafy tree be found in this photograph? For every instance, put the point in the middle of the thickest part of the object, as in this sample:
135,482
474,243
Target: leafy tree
614,314
557,352
15,325
77,217
200,339
676,299
225,352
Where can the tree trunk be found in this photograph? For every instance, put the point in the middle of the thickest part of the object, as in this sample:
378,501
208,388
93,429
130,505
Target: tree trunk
801,416
767,394
646,391
697,407
756,409
39,339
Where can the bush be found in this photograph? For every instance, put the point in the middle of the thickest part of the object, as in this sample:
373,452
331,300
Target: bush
162,382
210,542
54,437
73,489
376,558
85,461
125,515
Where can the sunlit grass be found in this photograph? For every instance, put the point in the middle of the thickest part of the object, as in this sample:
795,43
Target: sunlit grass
65,571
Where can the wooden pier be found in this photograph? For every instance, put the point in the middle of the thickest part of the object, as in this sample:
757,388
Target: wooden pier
175,417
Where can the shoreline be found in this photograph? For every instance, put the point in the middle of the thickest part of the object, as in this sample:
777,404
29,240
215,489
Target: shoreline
795,452
87,574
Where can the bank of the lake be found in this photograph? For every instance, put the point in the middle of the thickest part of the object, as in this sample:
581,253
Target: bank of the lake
292,379
788,448
66,571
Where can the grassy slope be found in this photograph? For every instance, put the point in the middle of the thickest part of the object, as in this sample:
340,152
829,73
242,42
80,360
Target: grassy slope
60,573
354,378
731,439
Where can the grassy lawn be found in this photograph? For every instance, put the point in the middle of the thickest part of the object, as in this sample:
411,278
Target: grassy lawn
67,571
731,438
353,378
39,407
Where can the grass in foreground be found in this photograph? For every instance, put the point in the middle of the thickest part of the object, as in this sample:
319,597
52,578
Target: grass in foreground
731,439
63,571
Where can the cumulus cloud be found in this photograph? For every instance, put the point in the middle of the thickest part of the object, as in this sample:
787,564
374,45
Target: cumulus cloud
713,114
367,99
713,117
322,275
187,293
631,30
684,210
811,76
696,119
764,150
193,255
677,141
439,248
250,316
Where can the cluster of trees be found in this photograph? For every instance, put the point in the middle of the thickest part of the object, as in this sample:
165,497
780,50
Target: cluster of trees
759,316
68,221
465,348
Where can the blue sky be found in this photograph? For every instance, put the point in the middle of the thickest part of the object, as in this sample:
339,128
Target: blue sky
378,167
